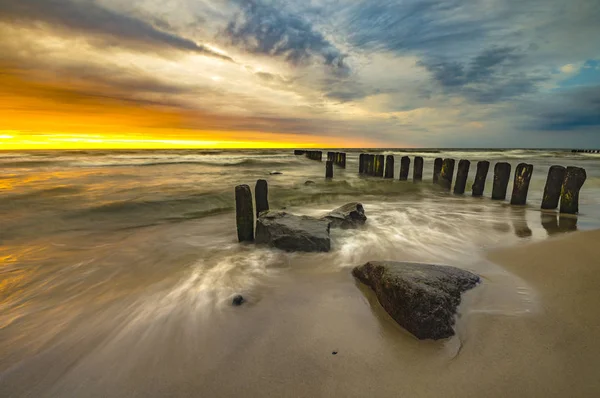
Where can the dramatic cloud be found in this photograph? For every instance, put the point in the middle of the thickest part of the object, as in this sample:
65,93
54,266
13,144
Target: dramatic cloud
264,27
88,17
390,72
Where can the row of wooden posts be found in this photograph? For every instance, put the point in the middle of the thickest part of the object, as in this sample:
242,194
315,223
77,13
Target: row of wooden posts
562,184
314,155
338,158
244,209
585,151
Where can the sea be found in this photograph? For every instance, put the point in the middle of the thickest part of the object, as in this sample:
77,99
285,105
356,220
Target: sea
117,268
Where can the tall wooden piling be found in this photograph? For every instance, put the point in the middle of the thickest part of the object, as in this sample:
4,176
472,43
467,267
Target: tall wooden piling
437,167
330,155
343,160
501,177
418,169
404,168
569,196
380,165
461,176
389,166
329,169
483,167
261,196
446,173
244,213
556,176
523,174
361,163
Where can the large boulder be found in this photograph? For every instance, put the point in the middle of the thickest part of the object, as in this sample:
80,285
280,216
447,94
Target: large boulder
422,298
293,233
350,215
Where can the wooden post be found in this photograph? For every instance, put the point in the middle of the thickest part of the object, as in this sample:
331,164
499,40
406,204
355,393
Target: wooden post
369,164
404,168
380,165
556,176
329,169
389,166
261,196
330,155
437,167
461,176
343,160
483,167
523,174
569,196
446,173
361,163
501,177
244,213
418,169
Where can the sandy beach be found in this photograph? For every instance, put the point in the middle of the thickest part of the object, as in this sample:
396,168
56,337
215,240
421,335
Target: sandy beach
123,289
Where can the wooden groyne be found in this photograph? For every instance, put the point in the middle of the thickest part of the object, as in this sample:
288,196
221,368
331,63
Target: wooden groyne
338,158
562,185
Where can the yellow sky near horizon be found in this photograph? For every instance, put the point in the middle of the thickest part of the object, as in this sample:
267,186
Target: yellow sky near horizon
42,112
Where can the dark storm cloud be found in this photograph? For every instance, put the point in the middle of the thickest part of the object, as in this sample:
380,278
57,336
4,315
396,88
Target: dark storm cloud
96,21
492,76
424,25
264,27
567,109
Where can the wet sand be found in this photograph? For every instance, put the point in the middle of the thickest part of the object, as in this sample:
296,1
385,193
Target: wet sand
281,343
284,347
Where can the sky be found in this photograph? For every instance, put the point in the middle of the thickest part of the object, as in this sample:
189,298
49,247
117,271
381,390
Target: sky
299,73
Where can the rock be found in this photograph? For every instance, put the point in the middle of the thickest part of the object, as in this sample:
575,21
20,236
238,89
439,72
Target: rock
274,173
309,182
238,300
350,215
422,298
293,233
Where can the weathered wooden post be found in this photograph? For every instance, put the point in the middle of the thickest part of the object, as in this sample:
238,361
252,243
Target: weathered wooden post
501,177
244,213
330,155
389,166
523,174
569,196
380,165
483,167
461,176
261,196
343,160
404,168
437,167
556,176
368,164
418,169
329,169
446,173
361,163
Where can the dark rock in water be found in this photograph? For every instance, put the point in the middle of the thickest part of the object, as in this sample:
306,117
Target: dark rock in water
238,300
274,173
309,182
350,215
293,233
422,298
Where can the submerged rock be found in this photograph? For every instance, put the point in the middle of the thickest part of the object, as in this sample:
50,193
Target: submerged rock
309,182
422,298
293,233
350,215
238,300
273,173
